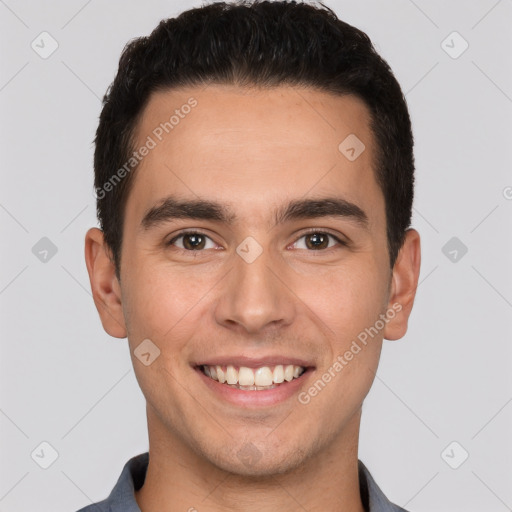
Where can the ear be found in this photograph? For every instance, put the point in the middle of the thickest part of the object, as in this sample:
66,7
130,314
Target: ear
403,285
105,287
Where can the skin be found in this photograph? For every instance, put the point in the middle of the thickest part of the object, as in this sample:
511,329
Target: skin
253,150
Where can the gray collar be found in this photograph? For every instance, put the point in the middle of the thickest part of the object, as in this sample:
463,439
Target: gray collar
122,497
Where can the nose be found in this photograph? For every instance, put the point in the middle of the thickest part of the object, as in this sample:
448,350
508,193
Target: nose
255,295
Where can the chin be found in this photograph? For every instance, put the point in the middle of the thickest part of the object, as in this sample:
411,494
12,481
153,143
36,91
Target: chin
249,461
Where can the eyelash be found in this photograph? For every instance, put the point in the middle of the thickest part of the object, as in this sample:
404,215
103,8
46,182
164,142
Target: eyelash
308,232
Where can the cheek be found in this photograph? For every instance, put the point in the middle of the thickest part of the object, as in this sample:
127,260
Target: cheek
349,303
348,299
163,309
162,301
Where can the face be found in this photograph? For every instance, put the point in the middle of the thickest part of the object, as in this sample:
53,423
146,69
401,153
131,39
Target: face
254,251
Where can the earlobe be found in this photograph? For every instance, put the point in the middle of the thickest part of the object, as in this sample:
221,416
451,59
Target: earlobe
404,284
104,284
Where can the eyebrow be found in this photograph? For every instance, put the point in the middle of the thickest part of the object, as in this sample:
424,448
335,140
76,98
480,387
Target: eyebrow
172,208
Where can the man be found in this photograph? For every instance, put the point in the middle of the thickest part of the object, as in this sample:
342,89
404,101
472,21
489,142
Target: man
254,177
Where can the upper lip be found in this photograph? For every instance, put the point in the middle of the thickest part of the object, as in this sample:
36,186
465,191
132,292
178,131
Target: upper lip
254,362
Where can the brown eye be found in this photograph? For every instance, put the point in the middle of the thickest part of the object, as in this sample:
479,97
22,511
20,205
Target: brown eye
318,240
191,241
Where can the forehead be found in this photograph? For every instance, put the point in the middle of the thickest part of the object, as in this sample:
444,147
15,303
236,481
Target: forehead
251,147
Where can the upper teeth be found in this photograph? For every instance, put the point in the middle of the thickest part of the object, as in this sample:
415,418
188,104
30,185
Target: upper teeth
262,376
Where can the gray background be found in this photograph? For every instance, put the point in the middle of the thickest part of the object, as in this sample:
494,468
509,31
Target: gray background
64,381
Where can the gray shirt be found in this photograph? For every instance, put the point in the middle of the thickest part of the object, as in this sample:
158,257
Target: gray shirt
122,497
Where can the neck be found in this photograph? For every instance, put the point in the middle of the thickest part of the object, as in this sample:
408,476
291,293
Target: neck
179,479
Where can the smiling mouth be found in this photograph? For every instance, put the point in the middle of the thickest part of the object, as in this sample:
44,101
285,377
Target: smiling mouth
253,379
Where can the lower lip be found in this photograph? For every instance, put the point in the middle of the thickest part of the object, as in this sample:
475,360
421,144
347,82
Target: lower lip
264,397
